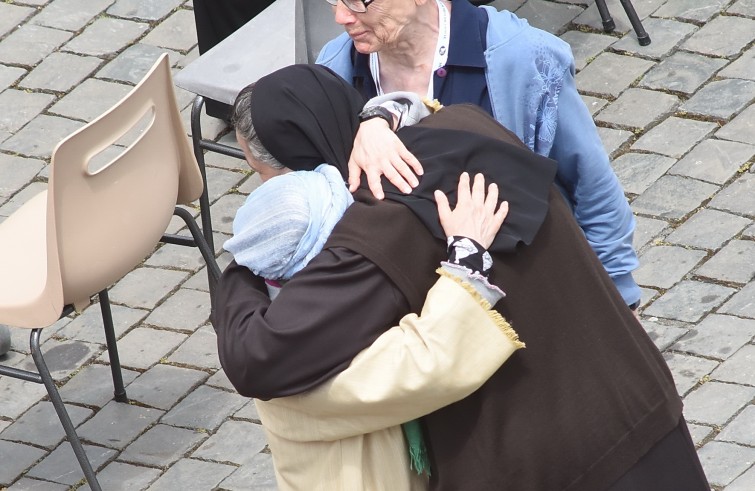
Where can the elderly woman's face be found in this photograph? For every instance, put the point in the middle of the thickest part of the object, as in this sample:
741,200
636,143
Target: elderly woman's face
378,28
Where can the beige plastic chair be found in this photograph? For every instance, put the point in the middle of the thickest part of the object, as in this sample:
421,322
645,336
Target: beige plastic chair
91,227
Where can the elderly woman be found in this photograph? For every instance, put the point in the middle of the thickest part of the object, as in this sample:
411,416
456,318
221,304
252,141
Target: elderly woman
590,405
522,76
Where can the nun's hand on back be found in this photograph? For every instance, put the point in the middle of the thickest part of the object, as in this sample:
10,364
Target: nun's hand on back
378,151
475,215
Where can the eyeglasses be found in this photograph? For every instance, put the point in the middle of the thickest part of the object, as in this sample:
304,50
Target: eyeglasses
358,6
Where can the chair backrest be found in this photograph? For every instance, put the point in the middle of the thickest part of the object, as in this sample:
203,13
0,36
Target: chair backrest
105,221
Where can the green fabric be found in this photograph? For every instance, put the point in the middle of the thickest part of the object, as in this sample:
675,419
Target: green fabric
419,461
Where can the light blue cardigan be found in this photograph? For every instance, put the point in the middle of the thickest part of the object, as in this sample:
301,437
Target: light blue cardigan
530,77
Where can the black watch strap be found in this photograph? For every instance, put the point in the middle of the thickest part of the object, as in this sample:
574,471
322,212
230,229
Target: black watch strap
377,112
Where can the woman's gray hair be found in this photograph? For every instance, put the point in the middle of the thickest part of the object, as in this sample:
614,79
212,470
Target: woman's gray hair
242,121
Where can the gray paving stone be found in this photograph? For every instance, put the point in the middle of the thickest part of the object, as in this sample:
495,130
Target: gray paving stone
249,411
11,16
9,75
133,63
638,171
235,441
673,197
16,172
612,140
192,474
708,229
691,9
258,474
177,257
666,35
742,303
548,16
738,368
723,462
688,370
64,357
662,335
674,137
646,230
177,32
198,280
746,481
163,385
220,181
117,424
200,350
717,336
689,301
714,161
106,36
62,467
204,408
40,136
732,263
593,104
715,403
41,427
226,162
117,476
145,287
738,197
90,99
70,15
586,46
723,36
16,458
609,74
638,108
93,385
29,44
682,72
185,310
750,231
743,67
721,98
25,107
220,380
88,326
25,484
22,197
743,7
60,72
223,212
741,128
162,445
143,347
699,432
663,266
143,9
740,430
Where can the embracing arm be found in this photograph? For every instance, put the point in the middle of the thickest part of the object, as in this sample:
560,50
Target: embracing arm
326,315
594,191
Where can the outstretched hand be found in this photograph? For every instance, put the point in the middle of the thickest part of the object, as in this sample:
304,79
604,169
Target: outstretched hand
378,151
475,215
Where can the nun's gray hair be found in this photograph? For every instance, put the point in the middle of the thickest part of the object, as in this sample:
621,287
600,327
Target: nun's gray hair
242,121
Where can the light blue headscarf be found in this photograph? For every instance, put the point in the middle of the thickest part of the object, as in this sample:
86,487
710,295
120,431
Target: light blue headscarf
285,222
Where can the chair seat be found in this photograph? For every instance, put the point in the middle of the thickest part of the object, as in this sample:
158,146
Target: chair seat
24,296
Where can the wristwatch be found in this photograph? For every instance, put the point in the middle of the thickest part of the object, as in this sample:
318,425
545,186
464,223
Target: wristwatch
377,112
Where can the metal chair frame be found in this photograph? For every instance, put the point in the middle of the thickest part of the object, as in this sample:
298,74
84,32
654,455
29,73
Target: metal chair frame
609,25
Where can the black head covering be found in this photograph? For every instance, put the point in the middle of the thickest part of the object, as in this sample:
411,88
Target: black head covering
306,115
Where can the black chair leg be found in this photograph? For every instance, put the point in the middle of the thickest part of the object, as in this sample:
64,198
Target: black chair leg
119,391
642,36
609,25
60,409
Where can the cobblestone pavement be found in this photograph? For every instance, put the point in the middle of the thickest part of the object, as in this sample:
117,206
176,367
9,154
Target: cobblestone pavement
676,116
